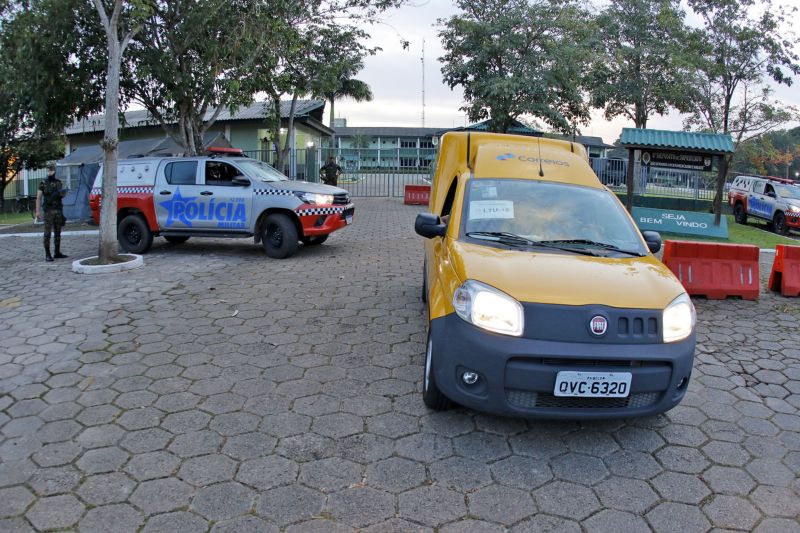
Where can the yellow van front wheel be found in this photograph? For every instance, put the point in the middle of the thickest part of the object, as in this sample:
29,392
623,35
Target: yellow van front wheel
431,395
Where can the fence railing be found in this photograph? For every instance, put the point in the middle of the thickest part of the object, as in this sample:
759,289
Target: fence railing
365,171
656,181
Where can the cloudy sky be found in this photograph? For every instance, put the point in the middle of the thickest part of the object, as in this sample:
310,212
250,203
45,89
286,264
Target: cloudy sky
395,76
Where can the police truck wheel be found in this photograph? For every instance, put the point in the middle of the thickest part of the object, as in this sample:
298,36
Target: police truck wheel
176,239
314,241
779,224
739,215
280,236
431,395
133,235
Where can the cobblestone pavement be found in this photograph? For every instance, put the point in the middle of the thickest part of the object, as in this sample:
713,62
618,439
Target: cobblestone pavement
216,389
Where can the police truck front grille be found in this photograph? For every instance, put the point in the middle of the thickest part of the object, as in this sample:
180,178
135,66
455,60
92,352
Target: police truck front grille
544,400
341,199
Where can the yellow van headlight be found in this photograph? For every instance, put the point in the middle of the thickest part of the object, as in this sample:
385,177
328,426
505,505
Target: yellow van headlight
488,308
679,319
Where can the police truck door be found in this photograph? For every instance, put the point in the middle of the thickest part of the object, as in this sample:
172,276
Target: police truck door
176,193
225,202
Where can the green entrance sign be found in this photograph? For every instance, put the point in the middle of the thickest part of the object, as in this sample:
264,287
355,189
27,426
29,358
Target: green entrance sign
680,222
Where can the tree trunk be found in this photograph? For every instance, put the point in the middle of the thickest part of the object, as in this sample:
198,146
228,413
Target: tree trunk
722,175
107,249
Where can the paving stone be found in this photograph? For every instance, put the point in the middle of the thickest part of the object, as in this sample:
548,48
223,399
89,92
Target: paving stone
15,525
102,460
729,480
223,501
640,465
161,495
431,505
361,506
328,475
56,480
778,525
292,503
424,447
196,443
546,523
579,468
146,440
14,501
481,446
770,472
552,496
682,459
178,522
55,512
103,489
207,469
252,524
732,512
498,503
152,465
671,517
249,445
625,494
610,521
268,472
57,454
118,518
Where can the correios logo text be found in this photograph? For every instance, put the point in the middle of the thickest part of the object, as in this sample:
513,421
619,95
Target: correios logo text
228,214
527,159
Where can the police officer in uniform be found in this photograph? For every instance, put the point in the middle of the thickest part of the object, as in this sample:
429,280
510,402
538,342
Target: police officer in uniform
330,172
48,199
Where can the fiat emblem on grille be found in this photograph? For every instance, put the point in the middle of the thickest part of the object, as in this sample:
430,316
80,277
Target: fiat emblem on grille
598,325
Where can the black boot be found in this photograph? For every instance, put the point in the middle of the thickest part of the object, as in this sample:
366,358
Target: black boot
59,255
47,256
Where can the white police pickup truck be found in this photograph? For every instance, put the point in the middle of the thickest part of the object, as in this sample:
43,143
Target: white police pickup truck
221,195
775,200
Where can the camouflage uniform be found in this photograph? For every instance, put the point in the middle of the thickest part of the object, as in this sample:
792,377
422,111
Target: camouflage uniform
53,213
331,173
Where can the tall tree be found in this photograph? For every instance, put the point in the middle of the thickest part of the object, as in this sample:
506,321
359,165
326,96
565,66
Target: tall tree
640,72
347,88
119,22
742,42
519,57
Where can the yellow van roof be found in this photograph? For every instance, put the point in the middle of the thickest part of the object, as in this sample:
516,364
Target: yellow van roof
497,155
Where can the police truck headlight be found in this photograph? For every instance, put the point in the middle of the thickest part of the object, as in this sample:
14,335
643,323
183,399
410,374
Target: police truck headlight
314,198
679,319
488,308
794,208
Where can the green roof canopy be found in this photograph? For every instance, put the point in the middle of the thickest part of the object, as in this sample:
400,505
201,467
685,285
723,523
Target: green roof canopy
710,143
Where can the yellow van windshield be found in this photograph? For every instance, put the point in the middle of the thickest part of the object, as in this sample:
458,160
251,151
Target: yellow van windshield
546,211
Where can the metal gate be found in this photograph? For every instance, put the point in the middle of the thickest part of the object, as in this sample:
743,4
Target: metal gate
382,172
365,171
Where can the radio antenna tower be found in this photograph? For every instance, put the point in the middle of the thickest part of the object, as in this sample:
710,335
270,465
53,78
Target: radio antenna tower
423,82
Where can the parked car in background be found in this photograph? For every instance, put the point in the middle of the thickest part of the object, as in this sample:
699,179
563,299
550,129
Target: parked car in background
774,200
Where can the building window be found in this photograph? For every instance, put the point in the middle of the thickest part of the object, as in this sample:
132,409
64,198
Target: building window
426,144
404,143
408,161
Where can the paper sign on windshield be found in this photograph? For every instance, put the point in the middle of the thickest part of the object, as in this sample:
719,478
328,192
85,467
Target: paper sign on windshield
484,209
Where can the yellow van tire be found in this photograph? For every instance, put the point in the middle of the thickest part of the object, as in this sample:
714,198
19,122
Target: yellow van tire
431,395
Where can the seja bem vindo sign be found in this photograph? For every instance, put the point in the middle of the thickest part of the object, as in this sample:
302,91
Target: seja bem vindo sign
679,222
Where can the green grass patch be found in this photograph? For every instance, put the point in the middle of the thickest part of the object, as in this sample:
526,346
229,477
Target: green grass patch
15,218
751,233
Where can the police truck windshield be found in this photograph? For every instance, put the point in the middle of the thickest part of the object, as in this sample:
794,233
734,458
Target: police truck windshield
260,171
789,192
548,213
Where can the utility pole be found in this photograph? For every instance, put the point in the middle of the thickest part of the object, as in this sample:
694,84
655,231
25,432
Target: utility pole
423,82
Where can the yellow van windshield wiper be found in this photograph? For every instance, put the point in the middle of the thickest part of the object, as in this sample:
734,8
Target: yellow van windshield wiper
603,245
512,239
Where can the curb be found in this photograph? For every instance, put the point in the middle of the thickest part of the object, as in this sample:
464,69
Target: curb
78,268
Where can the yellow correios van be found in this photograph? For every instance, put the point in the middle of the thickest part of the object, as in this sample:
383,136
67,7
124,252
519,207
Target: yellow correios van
544,300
